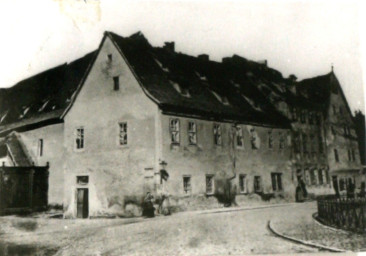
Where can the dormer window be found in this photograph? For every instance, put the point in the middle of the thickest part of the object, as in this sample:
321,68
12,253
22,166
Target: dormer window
182,91
222,99
3,117
116,83
203,78
25,111
161,66
43,106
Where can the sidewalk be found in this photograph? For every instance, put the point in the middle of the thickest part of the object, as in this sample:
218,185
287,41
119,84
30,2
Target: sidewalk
303,227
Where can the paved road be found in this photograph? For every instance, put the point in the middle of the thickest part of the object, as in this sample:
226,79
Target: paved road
236,232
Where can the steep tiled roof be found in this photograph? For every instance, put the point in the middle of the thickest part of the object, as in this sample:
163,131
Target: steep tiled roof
238,89
16,150
43,96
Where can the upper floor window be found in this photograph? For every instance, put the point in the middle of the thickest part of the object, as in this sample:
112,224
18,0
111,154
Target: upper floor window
217,134
334,109
253,139
349,155
239,137
110,57
174,131
318,118
192,133
116,83
276,181
82,180
303,116
281,140
304,143
340,110
294,114
336,157
307,176
270,140
79,142
296,143
40,147
353,154
320,143
122,133
311,117
320,177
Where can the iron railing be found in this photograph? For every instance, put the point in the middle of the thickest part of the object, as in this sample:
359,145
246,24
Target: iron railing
345,213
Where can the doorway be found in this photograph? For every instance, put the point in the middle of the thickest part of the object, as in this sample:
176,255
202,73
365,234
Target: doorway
82,203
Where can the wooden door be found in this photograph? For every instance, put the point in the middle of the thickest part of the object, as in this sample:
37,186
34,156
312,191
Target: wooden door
82,203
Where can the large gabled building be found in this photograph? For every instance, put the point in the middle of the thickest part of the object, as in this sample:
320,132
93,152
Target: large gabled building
108,124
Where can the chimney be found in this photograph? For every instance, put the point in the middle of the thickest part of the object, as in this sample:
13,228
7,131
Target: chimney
226,60
203,57
169,46
263,62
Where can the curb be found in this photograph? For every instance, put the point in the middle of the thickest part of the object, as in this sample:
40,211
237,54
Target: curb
318,246
242,208
317,221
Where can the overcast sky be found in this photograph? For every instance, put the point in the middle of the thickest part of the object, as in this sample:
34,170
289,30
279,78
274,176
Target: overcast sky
296,37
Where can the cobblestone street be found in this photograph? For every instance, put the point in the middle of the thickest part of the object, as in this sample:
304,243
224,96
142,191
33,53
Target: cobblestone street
235,232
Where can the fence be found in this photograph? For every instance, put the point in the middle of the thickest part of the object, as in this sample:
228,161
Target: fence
344,213
23,189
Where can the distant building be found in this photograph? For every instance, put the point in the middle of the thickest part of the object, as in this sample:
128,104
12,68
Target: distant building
110,122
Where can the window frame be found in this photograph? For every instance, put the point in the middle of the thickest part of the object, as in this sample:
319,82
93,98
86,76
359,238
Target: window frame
175,131
120,124
260,186
217,131
239,137
188,178
243,183
276,180
40,147
193,132
82,138
336,155
116,83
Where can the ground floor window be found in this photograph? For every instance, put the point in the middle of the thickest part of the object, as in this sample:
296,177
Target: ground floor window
209,184
307,177
313,177
187,184
276,181
321,176
242,186
342,184
257,184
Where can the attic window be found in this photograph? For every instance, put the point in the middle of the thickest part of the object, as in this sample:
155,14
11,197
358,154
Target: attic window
252,103
161,65
25,111
43,106
203,78
3,117
116,83
110,57
222,99
182,91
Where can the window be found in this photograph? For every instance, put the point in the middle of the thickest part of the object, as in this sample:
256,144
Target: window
187,184
336,157
334,109
270,140
174,131
217,135
305,143
311,117
307,177
79,138
303,116
320,141
253,139
110,57
294,114
192,133
340,110
342,184
296,143
122,133
282,140
116,83
82,180
333,130
349,155
327,175
353,155
239,137
276,181
324,176
40,147
313,177
312,143
320,177
318,118
257,184
242,183
209,184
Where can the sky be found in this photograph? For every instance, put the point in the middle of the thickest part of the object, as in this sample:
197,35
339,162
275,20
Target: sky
296,37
